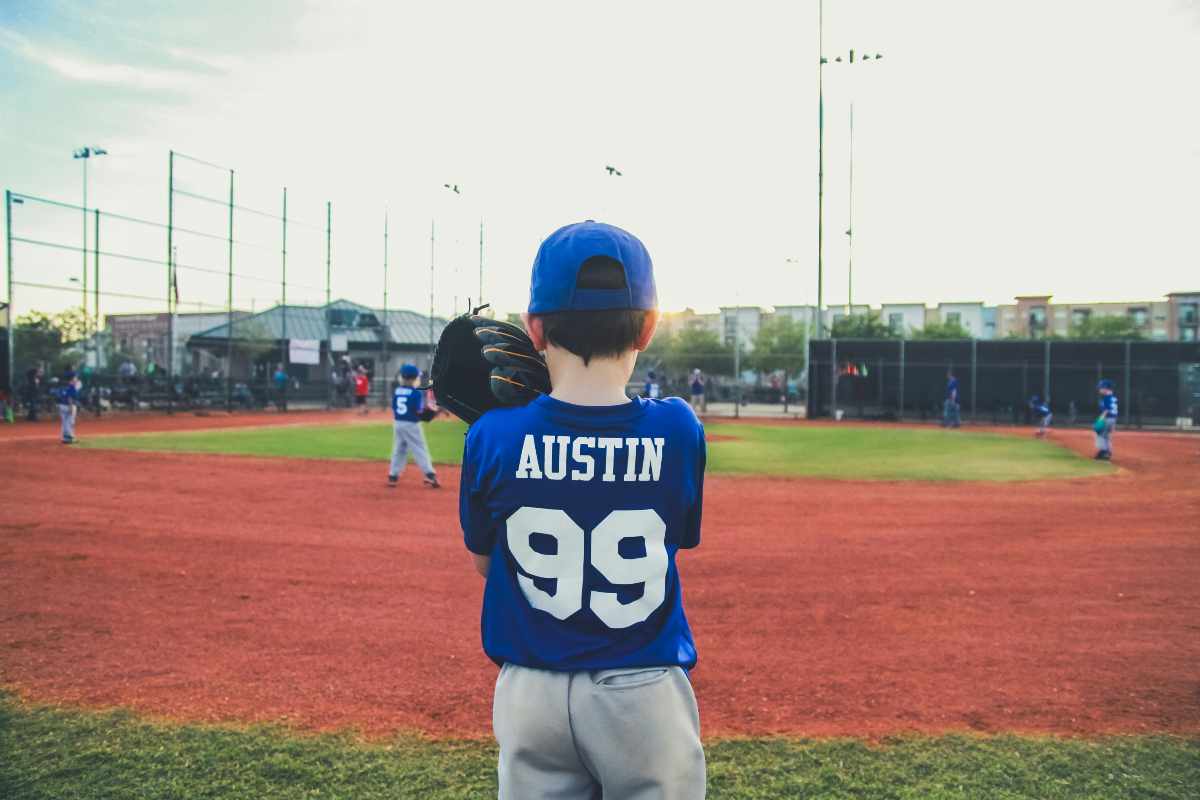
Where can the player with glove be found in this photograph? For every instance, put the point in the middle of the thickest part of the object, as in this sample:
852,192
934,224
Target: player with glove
409,409
575,501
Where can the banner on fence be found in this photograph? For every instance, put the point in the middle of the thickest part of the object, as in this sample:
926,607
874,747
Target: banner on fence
304,351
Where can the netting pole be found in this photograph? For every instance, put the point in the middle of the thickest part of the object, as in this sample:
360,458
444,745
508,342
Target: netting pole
229,308
84,304
96,290
833,374
900,415
170,272
1128,382
387,328
432,240
328,290
8,329
481,262
974,376
284,355
1046,374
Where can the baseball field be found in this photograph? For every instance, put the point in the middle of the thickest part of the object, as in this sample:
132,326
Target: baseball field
238,606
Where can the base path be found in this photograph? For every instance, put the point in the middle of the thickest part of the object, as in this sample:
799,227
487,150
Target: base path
231,588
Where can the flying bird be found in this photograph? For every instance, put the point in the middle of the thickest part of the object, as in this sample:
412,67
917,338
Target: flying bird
614,171
453,188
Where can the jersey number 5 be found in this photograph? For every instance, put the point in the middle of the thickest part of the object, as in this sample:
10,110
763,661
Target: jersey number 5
566,564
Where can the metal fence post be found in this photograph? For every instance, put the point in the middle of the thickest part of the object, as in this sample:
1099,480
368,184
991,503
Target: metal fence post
974,376
387,328
285,354
328,298
900,415
8,329
96,290
171,281
432,242
1128,382
229,308
833,373
1046,394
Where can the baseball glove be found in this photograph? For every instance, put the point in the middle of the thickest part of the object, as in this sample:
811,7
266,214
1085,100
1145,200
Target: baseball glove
482,363
1099,425
427,414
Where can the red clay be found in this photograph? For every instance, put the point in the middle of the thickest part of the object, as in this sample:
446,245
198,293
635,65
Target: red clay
237,589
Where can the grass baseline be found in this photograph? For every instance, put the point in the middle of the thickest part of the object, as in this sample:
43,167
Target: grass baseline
848,453
50,752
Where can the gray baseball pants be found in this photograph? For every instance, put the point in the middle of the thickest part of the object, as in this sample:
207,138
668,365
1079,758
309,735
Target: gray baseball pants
67,413
613,734
408,437
1104,440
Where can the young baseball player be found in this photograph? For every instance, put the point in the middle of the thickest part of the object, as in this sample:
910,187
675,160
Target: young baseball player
1041,412
67,395
362,388
1106,423
575,507
653,391
408,403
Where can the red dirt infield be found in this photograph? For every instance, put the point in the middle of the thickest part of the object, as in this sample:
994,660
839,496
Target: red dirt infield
214,588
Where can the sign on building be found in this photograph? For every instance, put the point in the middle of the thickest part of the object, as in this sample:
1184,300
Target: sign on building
304,351
339,342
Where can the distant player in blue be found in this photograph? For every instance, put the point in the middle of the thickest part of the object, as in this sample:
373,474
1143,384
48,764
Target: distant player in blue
1106,423
408,409
653,390
575,508
951,418
1041,412
67,395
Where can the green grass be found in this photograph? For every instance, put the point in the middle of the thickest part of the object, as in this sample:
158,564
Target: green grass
53,753
852,452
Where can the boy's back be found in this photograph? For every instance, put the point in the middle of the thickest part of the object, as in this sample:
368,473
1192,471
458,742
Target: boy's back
583,509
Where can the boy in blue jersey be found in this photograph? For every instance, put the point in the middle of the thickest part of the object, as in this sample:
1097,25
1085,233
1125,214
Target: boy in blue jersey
408,406
1106,423
574,508
1041,412
67,395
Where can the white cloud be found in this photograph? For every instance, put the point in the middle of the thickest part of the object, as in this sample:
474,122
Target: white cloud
75,68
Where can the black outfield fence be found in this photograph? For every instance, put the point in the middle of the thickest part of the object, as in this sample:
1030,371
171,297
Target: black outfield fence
1158,383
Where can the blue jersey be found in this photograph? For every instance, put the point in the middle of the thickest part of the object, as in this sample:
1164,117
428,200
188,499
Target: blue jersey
407,403
67,395
1040,409
1108,405
952,389
583,510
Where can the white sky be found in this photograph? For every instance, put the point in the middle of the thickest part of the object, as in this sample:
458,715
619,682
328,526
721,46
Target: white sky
1000,148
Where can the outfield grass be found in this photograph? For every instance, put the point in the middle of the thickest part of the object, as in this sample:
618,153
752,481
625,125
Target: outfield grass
851,452
53,753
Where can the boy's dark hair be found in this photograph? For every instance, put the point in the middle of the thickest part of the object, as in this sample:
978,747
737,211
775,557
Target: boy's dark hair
595,334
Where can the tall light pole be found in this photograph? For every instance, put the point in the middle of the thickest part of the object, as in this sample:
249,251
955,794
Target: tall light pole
820,161
85,154
851,59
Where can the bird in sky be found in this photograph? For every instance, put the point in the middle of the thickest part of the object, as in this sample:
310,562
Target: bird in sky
614,171
453,188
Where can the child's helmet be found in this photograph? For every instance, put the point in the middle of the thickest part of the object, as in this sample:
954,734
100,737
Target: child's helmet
409,371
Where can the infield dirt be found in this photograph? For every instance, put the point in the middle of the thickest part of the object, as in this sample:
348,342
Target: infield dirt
221,588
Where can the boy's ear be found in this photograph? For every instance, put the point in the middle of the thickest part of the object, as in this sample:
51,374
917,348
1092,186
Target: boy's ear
649,325
533,326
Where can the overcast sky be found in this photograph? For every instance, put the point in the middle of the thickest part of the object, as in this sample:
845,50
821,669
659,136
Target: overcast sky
1001,148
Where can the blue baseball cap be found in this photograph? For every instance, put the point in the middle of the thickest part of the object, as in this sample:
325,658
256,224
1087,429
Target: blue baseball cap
556,267
409,371
1104,384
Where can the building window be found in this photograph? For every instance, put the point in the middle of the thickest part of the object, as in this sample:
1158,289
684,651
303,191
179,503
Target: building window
1189,313
954,318
1080,315
1037,320
1140,316
896,323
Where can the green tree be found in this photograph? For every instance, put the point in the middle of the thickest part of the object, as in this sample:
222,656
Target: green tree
699,348
862,326
50,339
951,329
1105,328
780,344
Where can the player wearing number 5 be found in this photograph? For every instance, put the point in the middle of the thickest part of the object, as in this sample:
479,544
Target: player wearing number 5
575,507
409,409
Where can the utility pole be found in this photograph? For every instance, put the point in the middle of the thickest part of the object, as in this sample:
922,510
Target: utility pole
480,299
432,240
387,328
820,165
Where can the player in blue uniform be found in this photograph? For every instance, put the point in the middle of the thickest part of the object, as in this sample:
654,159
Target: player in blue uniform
1106,423
1041,411
575,508
951,418
67,395
408,408
653,390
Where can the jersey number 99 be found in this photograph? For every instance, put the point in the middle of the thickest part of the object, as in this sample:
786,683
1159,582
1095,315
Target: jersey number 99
566,564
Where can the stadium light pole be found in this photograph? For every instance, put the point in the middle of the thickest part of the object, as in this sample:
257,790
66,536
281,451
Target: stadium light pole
85,154
850,60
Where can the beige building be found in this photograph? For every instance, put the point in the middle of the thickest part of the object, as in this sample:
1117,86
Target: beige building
1171,320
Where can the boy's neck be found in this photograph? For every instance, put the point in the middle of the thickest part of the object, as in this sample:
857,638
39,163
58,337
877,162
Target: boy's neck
601,382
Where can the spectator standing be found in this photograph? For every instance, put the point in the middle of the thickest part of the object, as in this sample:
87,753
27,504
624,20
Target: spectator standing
699,404
280,379
33,392
362,388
